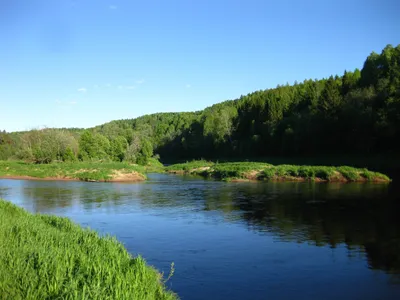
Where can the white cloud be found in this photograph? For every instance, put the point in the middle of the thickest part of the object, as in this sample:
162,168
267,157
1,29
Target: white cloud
108,85
120,87
113,7
73,102
188,86
83,90
141,81
131,87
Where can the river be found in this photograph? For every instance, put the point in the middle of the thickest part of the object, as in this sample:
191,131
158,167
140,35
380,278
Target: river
279,240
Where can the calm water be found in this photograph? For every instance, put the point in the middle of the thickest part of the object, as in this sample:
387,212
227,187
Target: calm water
242,240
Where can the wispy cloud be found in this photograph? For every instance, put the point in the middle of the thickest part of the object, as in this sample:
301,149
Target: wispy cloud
96,86
188,86
108,85
131,87
120,87
140,81
83,90
113,7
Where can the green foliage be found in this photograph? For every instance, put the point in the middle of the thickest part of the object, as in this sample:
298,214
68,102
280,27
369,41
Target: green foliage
349,173
47,145
269,173
367,174
48,257
354,114
218,123
118,148
258,170
371,175
68,155
154,166
145,153
87,146
235,169
94,146
331,97
192,165
7,146
87,171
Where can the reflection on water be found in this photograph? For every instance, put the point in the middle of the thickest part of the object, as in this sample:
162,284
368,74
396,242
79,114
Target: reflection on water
242,240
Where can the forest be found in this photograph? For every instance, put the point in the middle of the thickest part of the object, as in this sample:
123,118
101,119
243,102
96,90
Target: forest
357,113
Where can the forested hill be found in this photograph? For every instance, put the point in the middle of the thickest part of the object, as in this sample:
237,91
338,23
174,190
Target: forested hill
356,113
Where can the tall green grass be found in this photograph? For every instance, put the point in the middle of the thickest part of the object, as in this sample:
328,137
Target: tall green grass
48,257
264,171
189,166
154,166
226,171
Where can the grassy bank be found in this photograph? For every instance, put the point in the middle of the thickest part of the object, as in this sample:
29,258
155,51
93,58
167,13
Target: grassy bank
48,257
264,171
86,171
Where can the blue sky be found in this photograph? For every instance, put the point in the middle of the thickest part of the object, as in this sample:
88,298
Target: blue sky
85,62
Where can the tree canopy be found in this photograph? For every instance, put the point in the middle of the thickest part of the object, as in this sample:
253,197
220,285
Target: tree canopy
356,113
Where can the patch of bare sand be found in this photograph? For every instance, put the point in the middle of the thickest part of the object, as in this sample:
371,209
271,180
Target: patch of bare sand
201,169
252,175
24,177
121,176
85,171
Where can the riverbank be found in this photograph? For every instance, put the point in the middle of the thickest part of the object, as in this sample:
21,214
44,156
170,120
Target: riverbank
49,257
85,171
239,171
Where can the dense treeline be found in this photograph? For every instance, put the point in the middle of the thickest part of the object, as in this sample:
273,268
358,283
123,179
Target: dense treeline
356,113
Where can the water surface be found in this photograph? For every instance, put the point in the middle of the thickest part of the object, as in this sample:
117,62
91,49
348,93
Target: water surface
242,240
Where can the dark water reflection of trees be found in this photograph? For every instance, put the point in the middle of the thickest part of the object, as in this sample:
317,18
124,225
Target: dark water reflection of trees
364,217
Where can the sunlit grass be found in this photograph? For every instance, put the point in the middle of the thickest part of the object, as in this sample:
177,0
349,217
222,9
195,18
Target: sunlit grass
87,171
190,165
48,257
264,171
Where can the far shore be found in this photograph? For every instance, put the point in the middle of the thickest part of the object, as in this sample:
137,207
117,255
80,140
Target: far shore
232,171
23,177
75,171
256,171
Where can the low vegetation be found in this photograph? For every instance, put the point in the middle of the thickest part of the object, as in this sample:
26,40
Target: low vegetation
263,171
48,257
190,167
86,171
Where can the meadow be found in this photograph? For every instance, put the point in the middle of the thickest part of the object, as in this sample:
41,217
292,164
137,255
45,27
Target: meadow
86,171
229,171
